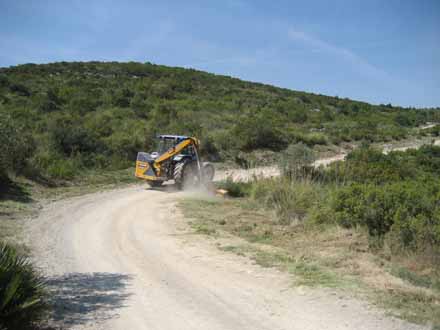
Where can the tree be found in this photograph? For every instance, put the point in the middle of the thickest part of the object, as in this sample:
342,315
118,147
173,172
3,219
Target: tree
295,160
17,146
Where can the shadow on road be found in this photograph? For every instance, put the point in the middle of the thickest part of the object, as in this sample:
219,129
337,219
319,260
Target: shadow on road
81,298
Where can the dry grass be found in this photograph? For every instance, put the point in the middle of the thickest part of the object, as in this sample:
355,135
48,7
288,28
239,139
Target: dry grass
327,256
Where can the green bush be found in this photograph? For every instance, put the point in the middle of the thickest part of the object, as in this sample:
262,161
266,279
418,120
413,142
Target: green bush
435,131
262,189
69,138
291,199
407,212
367,205
369,165
63,169
235,189
22,296
296,160
16,145
259,131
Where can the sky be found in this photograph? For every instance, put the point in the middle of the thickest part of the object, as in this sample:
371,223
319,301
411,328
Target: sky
375,51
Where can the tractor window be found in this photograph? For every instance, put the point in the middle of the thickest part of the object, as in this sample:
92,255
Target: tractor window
165,144
188,151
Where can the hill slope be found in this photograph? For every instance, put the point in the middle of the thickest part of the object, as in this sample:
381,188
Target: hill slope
59,118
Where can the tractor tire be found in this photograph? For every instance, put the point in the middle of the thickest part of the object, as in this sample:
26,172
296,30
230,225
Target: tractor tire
178,174
185,173
154,183
208,172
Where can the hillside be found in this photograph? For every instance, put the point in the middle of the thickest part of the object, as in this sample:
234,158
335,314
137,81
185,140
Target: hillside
59,118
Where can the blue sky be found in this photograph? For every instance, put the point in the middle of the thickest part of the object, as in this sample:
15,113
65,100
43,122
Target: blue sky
376,51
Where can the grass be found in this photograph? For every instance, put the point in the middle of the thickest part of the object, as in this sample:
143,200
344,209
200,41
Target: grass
305,272
417,307
201,228
313,274
424,281
320,256
260,229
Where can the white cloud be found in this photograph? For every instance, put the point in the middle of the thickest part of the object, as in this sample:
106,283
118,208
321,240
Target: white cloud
319,45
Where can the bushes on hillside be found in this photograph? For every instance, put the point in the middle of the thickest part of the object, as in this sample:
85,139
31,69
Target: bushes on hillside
16,146
407,211
258,132
370,165
291,199
296,160
101,114
395,196
22,297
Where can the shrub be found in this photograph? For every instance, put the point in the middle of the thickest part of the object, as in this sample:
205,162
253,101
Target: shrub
435,131
235,189
63,169
70,138
22,297
209,150
16,146
259,132
261,190
407,211
291,199
366,205
295,160
370,165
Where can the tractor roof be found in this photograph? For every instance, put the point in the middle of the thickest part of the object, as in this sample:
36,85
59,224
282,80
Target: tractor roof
174,137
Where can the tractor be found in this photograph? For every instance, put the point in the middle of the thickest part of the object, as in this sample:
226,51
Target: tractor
176,158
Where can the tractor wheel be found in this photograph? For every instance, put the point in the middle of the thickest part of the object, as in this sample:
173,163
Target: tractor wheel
154,183
208,172
185,174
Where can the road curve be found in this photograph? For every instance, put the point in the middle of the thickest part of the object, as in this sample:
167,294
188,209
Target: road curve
125,259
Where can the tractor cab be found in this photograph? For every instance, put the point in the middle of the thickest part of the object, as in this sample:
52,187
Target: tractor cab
167,142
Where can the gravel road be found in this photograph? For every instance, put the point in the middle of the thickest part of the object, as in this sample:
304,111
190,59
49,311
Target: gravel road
125,259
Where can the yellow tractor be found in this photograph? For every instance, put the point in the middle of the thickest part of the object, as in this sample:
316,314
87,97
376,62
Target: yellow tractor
176,158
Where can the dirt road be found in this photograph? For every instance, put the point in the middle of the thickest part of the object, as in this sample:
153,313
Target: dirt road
126,259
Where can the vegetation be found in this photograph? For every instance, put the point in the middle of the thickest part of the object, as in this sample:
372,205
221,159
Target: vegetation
59,119
394,196
234,189
22,297
16,146
359,223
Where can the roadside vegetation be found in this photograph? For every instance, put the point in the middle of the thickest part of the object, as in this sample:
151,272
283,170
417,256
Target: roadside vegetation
22,296
369,225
